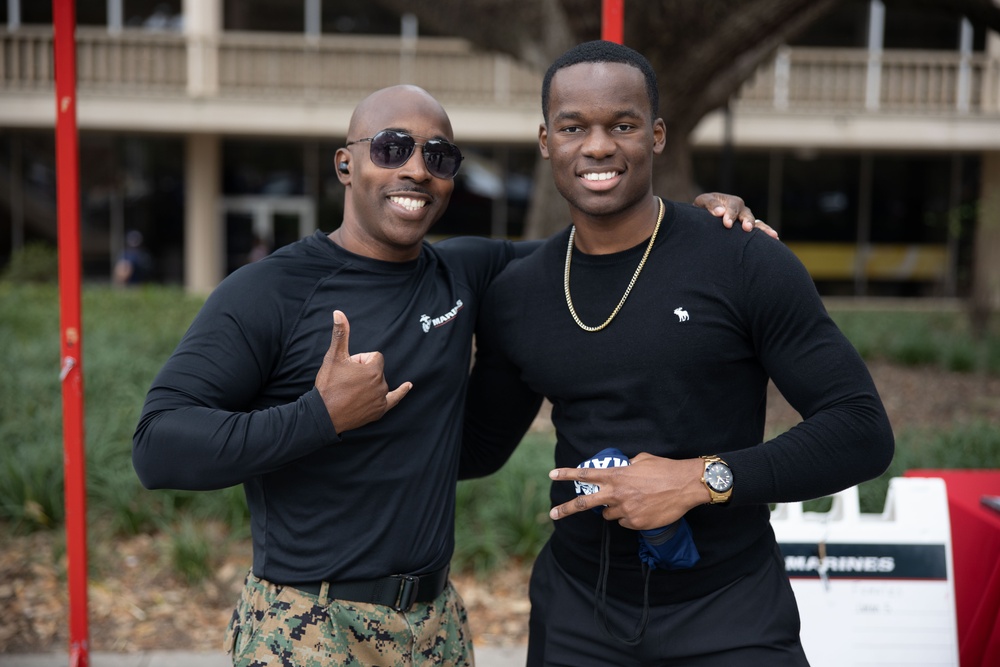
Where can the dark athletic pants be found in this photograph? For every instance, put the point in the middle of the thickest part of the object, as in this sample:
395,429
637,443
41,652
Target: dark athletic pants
752,621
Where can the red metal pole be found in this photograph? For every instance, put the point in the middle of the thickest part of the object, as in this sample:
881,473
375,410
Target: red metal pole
71,338
613,21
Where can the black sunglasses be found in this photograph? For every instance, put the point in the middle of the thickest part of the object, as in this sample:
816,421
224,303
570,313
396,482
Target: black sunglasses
391,149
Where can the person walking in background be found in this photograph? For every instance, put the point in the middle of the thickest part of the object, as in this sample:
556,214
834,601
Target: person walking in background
134,265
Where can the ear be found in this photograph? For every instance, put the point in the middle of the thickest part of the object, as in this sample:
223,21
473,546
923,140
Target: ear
659,135
543,141
342,158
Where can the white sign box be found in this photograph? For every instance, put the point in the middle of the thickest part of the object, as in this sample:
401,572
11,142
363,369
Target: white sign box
874,589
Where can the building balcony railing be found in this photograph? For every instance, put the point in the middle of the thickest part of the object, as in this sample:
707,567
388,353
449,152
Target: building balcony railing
854,80
297,69
249,66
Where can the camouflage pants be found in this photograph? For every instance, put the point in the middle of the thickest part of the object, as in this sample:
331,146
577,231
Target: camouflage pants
283,626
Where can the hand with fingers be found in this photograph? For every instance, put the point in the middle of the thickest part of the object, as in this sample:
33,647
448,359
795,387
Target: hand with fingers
353,387
731,208
651,492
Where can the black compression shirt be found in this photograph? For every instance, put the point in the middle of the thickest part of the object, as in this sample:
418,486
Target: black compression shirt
235,403
682,371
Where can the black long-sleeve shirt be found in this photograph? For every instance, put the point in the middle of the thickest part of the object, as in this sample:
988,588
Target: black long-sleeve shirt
682,371
236,403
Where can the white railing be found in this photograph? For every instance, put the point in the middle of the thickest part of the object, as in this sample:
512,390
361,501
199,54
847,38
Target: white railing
299,69
133,62
266,66
26,60
840,80
282,66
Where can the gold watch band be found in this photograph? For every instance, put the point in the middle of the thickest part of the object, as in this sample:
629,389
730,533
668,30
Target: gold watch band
716,496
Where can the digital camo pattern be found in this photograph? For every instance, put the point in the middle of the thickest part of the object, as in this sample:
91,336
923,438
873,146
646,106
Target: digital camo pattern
281,626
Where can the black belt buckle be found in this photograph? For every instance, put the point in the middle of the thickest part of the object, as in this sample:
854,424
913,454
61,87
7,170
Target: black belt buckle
409,586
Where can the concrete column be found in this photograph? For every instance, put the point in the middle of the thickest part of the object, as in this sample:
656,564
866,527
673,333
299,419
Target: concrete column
202,27
313,18
203,238
986,267
115,17
775,177
991,75
13,15
965,67
864,231
986,244
876,37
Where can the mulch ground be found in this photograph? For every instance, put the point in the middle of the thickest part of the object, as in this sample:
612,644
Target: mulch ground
137,603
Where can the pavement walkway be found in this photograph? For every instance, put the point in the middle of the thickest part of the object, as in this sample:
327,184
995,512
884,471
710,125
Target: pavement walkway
486,656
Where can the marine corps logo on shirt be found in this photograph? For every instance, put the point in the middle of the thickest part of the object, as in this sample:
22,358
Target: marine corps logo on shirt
426,321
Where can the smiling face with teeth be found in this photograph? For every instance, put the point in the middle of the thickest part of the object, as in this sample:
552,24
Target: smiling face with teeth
387,212
601,137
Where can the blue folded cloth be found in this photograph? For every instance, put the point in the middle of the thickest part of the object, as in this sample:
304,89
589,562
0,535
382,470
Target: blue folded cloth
668,547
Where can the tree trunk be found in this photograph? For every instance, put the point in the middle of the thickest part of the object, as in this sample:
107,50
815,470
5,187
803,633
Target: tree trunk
673,175
548,211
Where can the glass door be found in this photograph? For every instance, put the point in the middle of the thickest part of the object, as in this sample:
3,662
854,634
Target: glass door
256,226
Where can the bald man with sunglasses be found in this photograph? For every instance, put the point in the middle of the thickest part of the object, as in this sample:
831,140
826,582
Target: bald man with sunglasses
347,445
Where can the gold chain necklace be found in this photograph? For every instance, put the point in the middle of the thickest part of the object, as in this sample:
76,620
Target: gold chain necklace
635,276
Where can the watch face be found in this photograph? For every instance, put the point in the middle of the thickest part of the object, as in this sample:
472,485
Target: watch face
719,477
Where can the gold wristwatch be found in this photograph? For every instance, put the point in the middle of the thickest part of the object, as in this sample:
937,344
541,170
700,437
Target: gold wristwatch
718,479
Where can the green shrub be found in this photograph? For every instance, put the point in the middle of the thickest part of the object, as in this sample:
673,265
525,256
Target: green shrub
914,347
943,339
505,516
31,488
30,407
35,262
992,355
191,551
962,356
127,335
117,498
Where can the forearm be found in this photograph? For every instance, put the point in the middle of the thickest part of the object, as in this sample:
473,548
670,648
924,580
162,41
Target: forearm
186,446
834,449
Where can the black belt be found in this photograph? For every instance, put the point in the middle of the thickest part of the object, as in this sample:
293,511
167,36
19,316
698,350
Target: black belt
398,591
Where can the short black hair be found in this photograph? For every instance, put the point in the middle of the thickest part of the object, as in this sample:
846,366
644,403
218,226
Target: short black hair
601,51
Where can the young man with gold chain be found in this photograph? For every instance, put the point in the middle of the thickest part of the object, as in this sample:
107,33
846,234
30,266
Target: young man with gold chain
655,331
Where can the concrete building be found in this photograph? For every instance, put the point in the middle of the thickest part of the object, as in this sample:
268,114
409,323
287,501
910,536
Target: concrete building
209,126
